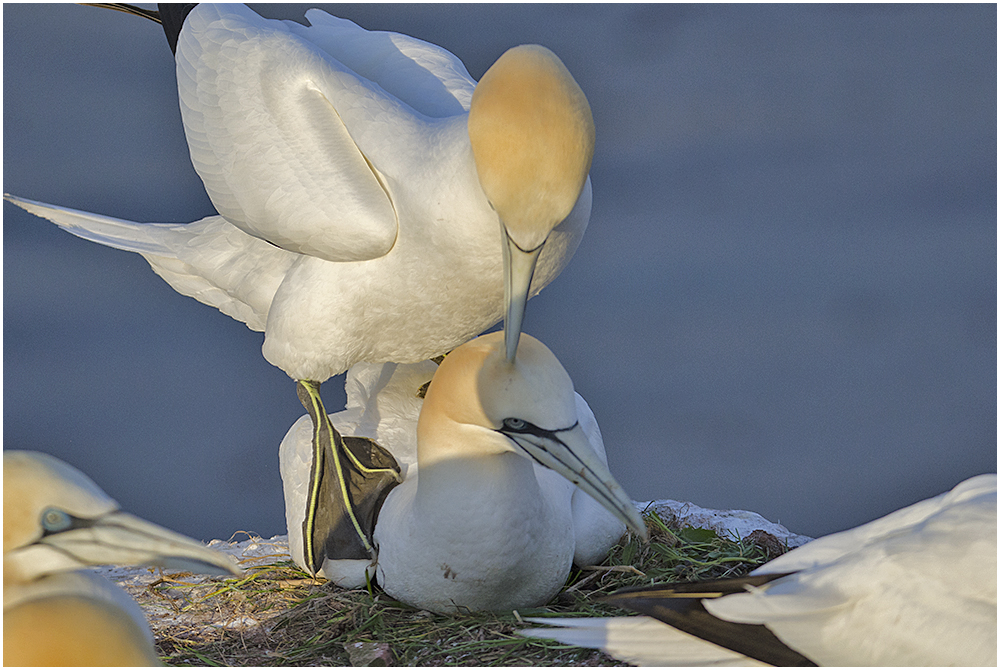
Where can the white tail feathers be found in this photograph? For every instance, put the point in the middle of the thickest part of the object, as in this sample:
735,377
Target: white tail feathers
209,260
638,640
106,230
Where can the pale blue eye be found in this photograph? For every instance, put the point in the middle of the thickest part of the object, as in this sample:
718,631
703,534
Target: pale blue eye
514,424
55,520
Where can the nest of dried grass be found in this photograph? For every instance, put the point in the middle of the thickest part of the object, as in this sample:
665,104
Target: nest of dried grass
278,615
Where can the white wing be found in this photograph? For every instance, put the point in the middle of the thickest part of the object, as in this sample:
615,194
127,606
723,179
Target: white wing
210,260
595,528
827,549
289,143
431,80
917,587
638,640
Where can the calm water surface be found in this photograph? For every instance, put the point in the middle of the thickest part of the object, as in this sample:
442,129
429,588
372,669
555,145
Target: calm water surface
785,302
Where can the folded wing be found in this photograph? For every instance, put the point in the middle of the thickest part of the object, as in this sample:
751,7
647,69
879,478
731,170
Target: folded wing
273,126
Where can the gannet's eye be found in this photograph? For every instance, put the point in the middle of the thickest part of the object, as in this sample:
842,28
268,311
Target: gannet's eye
55,520
515,424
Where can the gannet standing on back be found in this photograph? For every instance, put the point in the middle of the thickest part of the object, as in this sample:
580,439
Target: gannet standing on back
916,587
376,203
55,522
489,518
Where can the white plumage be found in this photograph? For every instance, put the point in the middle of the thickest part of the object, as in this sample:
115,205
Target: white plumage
353,224
475,523
376,203
916,587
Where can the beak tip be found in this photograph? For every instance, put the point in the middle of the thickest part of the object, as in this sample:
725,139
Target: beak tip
637,525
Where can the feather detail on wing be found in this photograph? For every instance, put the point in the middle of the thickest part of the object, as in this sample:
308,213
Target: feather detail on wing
272,124
431,80
210,260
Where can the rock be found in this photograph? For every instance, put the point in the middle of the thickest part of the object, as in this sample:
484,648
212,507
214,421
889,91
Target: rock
369,654
734,524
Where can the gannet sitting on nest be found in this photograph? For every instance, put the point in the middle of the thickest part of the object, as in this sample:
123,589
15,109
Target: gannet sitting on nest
489,517
916,587
377,204
55,522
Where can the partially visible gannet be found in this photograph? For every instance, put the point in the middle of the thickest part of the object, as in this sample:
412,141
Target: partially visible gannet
375,203
489,516
57,521
916,587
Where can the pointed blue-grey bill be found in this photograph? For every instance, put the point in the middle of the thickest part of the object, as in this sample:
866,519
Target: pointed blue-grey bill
519,267
118,538
569,453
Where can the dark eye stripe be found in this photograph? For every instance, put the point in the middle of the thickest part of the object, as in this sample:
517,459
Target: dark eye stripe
522,427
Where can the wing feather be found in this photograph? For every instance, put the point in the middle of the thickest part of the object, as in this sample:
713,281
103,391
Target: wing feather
264,112
431,80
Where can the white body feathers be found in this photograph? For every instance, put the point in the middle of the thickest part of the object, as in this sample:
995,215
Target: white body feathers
916,587
505,511
353,225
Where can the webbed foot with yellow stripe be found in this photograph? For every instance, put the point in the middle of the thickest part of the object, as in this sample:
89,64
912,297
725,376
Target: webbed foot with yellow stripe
349,480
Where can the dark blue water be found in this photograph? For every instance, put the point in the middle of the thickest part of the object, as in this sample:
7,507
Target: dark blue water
785,302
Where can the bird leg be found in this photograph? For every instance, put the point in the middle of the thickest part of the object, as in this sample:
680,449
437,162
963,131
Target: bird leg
349,479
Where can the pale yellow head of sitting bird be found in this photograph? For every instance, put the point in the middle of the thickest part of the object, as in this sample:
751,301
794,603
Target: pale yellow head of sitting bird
56,520
481,404
532,137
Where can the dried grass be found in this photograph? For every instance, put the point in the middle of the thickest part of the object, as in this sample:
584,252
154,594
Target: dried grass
278,615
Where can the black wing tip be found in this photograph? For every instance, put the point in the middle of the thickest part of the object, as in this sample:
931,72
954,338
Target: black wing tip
134,10
712,588
681,606
172,17
169,15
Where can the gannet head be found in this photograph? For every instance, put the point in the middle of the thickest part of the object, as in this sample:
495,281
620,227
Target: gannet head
532,136
528,407
56,519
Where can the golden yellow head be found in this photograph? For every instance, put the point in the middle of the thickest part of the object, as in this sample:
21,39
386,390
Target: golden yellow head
480,405
75,630
532,136
476,384
56,519
34,482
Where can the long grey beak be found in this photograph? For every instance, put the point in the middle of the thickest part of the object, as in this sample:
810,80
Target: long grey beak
569,453
118,538
519,267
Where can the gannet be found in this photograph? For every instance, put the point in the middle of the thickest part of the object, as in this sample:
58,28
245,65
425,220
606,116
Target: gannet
375,203
916,587
57,521
491,512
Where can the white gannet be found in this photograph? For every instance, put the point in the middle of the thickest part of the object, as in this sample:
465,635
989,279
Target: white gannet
57,521
487,516
375,203
916,587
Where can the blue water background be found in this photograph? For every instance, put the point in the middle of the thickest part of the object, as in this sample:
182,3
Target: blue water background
785,301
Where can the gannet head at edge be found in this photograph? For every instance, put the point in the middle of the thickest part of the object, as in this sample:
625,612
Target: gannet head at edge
528,405
532,137
56,519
